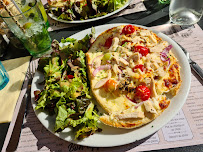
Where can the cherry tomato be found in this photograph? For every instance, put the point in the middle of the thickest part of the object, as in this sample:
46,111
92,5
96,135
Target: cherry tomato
128,29
70,76
141,49
110,85
108,42
139,66
143,92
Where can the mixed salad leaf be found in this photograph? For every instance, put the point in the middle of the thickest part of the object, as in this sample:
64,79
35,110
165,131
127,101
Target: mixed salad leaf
66,88
86,9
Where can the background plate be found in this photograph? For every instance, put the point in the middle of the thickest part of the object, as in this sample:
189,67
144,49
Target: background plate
110,136
90,20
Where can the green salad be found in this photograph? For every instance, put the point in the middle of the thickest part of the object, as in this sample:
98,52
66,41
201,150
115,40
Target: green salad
66,88
86,9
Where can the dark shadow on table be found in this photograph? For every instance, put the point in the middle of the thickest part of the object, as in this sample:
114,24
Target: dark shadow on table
15,86
4,129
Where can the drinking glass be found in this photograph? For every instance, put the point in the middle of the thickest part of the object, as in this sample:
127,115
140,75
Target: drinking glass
4,78
24,6
29,26
185,12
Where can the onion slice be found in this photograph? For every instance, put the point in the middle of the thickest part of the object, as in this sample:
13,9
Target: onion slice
167,49
102,82
96,58
164,57
102,67
163,54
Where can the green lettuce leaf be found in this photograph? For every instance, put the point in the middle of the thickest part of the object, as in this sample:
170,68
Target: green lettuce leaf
42,102
61,118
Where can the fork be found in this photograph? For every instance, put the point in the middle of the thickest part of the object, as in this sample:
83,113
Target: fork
195,67
14,139
30,75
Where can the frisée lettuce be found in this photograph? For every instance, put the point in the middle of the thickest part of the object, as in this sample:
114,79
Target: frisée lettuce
66,88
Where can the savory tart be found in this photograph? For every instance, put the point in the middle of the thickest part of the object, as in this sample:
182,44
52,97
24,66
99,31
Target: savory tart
131,70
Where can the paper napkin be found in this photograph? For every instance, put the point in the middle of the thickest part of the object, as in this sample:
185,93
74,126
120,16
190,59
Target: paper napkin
16,69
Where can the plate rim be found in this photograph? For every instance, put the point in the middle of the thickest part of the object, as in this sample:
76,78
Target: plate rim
89,20
186,88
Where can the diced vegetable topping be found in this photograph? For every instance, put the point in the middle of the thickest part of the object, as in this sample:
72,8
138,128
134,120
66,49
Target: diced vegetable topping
128,29
107,56
141,49
110,85
108,42
143,92
139,66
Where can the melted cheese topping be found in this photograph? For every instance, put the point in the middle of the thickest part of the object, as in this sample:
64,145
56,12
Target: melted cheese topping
160,76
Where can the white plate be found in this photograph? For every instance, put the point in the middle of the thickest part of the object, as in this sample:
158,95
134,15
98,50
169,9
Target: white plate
110,136
90,20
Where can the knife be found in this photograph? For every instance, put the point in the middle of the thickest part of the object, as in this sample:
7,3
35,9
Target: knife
194,66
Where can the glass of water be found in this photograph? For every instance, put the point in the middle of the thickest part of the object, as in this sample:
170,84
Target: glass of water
185,12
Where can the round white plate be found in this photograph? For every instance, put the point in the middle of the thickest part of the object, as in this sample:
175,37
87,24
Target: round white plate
110,136
90,20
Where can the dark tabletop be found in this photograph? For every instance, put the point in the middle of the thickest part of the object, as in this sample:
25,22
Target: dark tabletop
156,14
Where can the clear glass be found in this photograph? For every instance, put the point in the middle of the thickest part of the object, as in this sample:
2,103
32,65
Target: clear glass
29,27
24,6
185,12
4,78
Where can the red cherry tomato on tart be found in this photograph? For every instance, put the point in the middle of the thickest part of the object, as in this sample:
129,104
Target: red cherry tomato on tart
141,49
128,29
143,92
108,42
139,66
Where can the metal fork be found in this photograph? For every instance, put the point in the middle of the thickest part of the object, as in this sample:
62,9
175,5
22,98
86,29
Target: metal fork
195,67
31,72
14,139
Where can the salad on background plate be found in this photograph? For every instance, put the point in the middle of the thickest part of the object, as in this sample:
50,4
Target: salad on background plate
79,11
